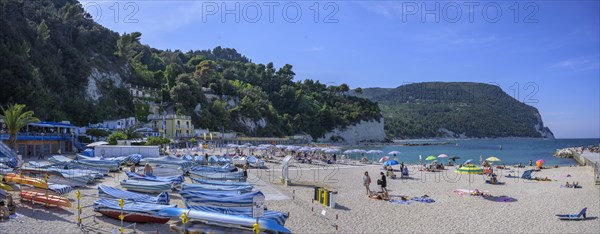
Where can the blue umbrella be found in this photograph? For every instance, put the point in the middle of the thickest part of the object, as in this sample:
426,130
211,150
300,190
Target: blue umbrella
390,163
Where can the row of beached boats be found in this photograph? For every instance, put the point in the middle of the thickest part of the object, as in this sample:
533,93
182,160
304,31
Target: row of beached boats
218,196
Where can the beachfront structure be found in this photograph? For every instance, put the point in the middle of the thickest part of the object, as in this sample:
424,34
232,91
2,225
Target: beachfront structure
173,126
43,138
123,150
141,92
118,124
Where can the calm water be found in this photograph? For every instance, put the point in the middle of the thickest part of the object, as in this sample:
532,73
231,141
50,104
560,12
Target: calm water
513,151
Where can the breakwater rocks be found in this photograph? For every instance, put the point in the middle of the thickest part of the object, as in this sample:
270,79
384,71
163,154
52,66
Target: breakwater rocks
567,152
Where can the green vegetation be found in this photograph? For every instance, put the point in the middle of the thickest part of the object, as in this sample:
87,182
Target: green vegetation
48,50
96,133
116,136
423,110
16,118
157,141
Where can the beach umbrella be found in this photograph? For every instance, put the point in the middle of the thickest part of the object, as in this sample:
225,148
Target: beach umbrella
374,152
390,163
469,169
384,158
492,159
442,156
539,163
431,157
394,152
468,161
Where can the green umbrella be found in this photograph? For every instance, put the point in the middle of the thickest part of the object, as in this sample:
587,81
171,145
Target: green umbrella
469,169
431,157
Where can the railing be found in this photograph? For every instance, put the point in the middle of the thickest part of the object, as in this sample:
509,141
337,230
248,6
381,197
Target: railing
38,136
597,171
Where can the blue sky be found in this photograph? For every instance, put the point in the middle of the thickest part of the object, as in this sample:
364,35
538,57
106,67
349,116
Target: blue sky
547,50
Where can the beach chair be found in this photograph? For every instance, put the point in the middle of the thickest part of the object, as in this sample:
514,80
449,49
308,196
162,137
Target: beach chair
580,216
527,175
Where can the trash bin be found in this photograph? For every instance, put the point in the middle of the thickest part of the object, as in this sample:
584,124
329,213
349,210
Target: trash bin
316,195
332,195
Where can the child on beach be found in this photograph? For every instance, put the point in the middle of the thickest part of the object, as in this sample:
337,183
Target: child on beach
367,182
148,170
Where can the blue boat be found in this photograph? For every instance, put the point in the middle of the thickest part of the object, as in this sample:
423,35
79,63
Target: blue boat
170,179
225,220
146,186
226,200
278,217
212,187
210,175
115,193
228,183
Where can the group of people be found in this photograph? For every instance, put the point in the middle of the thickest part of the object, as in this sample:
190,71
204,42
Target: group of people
573,185
383,195
7,208
147,169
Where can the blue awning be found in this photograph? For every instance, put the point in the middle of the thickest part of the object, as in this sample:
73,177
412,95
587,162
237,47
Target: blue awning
52,125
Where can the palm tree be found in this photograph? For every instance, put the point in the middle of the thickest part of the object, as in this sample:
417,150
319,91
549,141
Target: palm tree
15,119
132,133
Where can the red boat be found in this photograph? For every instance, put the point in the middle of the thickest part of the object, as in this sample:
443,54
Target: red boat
134,217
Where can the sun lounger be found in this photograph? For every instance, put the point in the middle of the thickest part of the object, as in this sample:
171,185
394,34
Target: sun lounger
580,216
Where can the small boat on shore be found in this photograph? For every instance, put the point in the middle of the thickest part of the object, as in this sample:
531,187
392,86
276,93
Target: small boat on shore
138,212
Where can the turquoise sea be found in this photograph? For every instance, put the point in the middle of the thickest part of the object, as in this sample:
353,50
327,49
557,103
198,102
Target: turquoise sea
510,151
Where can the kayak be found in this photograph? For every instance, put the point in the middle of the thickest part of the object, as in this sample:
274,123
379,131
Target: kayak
26,180
6,187
224,220
41,198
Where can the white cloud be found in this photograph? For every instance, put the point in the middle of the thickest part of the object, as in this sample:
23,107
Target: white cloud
576,64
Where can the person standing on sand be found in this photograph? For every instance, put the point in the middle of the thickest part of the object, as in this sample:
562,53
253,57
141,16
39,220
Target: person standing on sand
383,182
530,163
10,204
367,182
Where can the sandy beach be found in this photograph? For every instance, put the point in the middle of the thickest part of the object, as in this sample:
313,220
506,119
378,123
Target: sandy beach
532,211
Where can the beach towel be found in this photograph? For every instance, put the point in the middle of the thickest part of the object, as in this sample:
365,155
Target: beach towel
470,192
580,216
497,183
423,199
500,198
562,186
401,202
